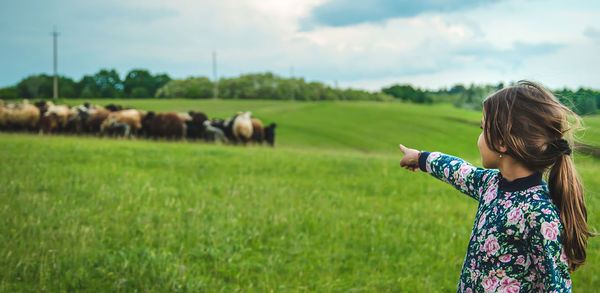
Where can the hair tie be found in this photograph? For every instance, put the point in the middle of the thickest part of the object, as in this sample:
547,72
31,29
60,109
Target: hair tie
563,146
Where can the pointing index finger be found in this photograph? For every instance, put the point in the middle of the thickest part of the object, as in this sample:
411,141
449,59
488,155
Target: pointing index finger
402,148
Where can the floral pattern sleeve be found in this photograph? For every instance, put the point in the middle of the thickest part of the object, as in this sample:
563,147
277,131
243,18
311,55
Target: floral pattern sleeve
548,258
455,171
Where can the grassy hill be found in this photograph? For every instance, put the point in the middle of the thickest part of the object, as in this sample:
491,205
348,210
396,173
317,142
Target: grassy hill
327,210
591,133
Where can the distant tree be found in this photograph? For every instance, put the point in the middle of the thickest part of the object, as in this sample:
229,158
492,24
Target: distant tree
582,102
585,102
315,91
267,86
305,91
192,88
67,87
31,87
138,78
87,87
356,95
382,97
285,89
108,83
470,95
473,96
87,93
407,93
8,93
499,86
141,78
331,94
139,92
403,92
457,89
160,80
42,87
226,88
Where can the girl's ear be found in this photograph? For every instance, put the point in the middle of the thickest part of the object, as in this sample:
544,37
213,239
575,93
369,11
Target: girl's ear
503,149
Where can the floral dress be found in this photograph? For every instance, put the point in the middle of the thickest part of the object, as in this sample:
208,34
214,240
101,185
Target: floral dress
515,242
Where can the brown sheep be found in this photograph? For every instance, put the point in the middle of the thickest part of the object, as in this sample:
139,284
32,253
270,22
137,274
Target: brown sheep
96,118
3,115
131,117
62,114
258,131
74,121
23,116
78,118
48,123
167,125
6,115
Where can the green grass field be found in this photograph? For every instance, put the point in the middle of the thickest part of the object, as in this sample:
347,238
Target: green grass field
327,210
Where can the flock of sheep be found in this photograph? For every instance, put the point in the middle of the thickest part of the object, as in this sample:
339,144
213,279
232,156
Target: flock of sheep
113,120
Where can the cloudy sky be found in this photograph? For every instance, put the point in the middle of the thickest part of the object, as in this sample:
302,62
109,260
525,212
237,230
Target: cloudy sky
360,44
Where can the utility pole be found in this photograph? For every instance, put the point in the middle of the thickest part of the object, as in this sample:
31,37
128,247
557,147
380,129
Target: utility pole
55,82
215,80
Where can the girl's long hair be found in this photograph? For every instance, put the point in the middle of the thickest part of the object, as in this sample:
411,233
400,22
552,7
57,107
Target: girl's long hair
535,128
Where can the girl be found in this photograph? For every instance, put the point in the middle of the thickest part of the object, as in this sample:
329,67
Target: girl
528,235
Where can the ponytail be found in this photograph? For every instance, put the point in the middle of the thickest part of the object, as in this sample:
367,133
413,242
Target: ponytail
567,194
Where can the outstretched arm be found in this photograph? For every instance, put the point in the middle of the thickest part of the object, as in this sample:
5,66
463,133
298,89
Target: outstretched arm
455,171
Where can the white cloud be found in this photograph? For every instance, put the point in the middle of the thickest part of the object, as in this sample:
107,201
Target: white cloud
592,33
503,41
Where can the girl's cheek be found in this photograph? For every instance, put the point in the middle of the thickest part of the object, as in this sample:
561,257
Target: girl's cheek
480,144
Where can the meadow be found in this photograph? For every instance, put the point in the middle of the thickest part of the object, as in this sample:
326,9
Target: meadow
327,210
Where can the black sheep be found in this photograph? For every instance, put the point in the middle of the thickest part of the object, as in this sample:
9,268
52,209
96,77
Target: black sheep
196,128
147,124
113,107
270,134
228,128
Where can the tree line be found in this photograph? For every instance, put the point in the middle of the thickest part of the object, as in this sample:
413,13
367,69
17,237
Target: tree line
582,101
140,83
